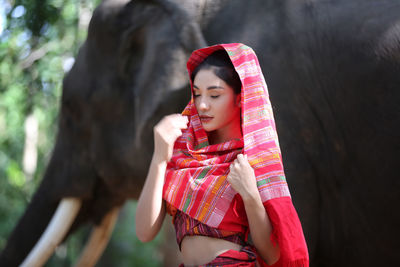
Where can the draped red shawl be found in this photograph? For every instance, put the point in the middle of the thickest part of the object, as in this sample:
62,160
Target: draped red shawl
195,180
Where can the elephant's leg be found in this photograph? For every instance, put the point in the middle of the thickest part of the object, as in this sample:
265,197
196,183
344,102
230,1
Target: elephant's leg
98,240
54,233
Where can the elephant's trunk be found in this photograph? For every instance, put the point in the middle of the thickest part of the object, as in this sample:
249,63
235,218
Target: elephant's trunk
54,233
29,228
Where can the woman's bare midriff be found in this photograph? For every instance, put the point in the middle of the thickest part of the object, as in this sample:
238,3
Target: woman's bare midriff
197,250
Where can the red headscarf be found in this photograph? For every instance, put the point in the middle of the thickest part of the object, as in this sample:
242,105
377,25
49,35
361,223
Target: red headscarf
195,180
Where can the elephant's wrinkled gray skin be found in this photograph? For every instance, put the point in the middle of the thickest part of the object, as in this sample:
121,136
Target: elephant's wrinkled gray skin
333,71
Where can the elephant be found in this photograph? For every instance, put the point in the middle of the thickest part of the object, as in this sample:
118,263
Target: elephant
333,73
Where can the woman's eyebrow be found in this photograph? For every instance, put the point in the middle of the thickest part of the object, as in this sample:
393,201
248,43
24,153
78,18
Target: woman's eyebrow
210,87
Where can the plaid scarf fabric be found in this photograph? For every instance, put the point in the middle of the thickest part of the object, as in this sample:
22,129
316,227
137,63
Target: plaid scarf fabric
195,180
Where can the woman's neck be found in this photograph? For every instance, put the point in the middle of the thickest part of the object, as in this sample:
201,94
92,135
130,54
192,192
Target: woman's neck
229,132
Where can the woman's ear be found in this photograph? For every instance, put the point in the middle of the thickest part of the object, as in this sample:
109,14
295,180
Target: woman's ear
238,101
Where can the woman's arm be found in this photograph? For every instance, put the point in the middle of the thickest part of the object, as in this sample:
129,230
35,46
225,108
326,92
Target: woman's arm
150,211
243,180
261,229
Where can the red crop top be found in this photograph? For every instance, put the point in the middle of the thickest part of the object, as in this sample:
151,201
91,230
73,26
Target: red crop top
186,225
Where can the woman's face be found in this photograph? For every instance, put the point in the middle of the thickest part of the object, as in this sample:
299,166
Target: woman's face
217,104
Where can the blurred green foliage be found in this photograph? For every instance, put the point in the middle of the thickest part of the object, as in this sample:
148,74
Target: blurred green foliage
38,43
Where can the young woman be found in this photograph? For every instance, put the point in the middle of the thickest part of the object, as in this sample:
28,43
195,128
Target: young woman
217,170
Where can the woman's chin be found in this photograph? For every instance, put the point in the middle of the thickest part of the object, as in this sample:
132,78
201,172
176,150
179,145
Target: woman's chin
207,127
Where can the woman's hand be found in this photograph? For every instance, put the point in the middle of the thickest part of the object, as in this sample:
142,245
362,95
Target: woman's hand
242,178
150,210
165,134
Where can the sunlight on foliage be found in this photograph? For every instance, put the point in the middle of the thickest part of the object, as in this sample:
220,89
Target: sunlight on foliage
15,175
38,43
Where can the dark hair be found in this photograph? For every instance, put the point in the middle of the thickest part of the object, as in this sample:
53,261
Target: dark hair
221,65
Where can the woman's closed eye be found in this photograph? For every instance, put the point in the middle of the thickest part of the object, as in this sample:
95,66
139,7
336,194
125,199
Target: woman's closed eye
213,96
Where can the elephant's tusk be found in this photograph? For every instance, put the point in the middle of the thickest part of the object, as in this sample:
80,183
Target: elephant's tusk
98,240
54,233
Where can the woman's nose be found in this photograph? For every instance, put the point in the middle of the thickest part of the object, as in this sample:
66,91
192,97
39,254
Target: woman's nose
203,105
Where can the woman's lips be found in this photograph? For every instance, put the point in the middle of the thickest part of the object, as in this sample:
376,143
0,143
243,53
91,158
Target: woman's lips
205,118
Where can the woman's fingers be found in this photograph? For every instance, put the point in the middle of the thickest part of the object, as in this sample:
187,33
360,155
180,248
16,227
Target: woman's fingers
177,133
182,122
166,132
241,159
241,176
175,122
172,122
178,122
